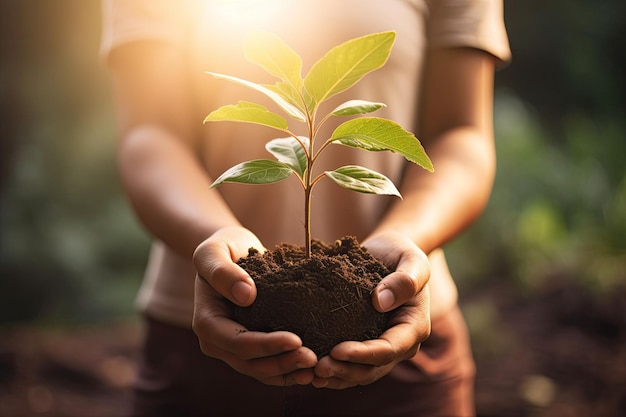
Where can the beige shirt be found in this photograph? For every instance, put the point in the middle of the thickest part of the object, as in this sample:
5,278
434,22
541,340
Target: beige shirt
212,32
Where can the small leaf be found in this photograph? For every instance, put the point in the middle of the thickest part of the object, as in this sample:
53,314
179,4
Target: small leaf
363,180
276,57
282,102
289,151
344,65
376,134
247,112
260,171
352,107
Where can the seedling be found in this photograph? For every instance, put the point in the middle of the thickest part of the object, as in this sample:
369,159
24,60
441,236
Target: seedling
300,99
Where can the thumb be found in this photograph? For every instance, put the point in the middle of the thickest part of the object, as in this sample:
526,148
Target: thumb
215,266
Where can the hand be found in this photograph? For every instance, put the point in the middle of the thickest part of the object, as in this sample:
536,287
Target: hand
361,363
276,358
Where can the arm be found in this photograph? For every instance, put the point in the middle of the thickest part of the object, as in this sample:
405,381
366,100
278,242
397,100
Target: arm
456,130
169,190
158,164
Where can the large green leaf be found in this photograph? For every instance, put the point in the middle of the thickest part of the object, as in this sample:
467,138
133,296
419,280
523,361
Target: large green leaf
344,65
376,134
260,171
273,55
284,104
352,107
363,180
289,151
247,112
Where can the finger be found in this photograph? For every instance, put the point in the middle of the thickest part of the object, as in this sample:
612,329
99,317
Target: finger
289,368
397,343
411,270
409,326
375,352
333,374
215,266
294,363
232,282
216,331
300,377
402,285
276,358
332,383
224,335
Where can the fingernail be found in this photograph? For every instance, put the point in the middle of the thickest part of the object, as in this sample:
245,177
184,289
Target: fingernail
241,292
386,299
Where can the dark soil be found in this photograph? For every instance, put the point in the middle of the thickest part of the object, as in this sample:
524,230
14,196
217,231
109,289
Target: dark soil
324,299
75,371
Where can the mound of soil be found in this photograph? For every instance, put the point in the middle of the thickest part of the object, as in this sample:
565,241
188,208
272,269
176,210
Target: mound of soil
324,299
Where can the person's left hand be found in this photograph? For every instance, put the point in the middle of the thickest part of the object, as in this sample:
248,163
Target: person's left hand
360,363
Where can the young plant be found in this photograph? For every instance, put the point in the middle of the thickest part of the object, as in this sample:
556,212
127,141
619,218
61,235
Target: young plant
300,98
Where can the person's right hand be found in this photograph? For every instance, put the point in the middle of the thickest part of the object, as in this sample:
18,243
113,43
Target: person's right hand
276,358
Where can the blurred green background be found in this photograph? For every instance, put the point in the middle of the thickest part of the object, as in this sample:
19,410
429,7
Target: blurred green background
71,250
549,253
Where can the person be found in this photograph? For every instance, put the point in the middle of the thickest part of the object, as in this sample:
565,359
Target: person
438,83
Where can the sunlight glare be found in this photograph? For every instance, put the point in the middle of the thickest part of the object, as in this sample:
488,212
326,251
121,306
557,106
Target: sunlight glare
246,13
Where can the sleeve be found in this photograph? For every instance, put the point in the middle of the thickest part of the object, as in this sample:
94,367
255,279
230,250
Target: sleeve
126,21
471,23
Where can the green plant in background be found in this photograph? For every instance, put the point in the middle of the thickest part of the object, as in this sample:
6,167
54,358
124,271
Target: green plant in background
555,210
300,98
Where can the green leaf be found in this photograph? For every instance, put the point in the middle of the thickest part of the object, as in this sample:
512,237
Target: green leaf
352,107
363,180
273,55
376,134
288,92
260,171
284,104
344,65
247,112
289,151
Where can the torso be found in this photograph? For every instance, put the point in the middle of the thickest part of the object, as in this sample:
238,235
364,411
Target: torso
275,212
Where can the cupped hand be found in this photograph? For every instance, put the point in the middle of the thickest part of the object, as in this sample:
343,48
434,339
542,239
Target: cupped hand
276,358
405,290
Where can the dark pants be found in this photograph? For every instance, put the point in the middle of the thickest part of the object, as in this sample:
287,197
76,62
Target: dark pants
177,380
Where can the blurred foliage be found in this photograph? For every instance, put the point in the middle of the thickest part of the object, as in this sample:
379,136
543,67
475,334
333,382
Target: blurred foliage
558,211
72,251
70,248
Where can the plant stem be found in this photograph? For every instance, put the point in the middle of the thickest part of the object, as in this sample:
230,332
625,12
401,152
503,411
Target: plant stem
307,219
308,186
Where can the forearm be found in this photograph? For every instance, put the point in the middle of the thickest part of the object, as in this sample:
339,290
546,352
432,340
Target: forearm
169,189
437,207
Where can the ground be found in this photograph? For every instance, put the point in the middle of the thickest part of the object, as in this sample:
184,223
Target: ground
560,353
